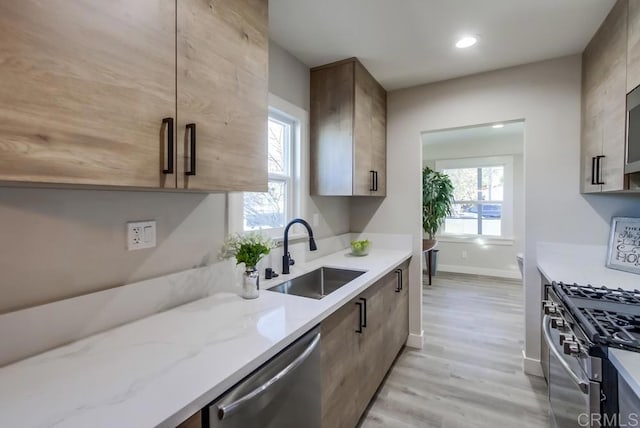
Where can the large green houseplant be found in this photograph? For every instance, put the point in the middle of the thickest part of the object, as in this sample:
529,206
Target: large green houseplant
437,200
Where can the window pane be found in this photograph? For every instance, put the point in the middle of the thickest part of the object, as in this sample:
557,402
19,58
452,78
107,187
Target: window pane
463,221
465,183
266,210
491,226
493,183
277,133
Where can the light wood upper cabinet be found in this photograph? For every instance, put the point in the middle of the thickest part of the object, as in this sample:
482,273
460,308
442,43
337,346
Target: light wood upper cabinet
222,89
348,131
604,82
84,87
633,46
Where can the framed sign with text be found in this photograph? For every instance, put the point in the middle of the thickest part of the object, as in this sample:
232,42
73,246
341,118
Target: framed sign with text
624,244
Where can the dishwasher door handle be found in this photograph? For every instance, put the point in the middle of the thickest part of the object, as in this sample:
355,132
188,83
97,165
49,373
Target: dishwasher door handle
227,410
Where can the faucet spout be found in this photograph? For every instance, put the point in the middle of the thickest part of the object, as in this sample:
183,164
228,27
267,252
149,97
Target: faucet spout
286,258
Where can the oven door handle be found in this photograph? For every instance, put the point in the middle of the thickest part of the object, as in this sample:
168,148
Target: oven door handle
546,329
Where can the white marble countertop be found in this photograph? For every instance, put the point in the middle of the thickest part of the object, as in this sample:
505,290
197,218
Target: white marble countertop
160,369
581,264
585,264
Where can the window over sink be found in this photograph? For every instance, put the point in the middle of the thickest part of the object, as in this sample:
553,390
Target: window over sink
270,211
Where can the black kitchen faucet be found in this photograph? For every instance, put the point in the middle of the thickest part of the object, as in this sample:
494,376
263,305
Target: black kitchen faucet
286,258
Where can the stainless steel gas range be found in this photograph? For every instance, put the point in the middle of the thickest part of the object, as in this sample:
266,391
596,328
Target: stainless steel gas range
579,325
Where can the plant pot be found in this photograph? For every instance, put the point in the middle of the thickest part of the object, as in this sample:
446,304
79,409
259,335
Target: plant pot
434,262
250,284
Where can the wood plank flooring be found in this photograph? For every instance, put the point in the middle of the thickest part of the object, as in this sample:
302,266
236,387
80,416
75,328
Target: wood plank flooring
469,373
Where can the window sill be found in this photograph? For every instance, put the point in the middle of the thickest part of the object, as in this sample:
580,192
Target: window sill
476,239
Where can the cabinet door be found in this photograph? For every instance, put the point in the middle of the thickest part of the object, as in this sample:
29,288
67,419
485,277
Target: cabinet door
331,129
363,132
222,89
633,46
614,100
379,139
371,347
341,378
84,87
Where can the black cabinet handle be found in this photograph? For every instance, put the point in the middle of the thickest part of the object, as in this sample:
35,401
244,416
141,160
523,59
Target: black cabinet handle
359,330
364,310
599,169
375,181
168,121
399,285
593,170
191,128
372,187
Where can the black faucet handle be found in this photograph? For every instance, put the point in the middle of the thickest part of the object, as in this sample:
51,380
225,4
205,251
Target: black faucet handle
291,261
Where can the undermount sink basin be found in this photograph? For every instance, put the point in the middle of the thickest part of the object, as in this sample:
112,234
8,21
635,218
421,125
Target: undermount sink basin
318,283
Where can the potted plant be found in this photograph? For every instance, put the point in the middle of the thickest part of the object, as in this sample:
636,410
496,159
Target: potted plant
437,201
247,248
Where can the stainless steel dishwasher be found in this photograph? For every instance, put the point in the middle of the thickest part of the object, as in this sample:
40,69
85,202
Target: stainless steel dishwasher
284,392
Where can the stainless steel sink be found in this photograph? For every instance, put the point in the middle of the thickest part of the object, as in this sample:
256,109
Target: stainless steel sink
318,283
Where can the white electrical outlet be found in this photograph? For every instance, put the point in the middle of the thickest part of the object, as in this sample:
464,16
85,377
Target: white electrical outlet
141,234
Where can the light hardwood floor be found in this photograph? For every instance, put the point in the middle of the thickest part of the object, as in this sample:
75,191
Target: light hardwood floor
469,373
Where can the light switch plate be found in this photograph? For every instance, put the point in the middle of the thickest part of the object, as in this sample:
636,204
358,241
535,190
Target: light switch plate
141,234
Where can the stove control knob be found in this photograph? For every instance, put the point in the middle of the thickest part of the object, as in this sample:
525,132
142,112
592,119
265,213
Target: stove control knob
551,308
565,338
571,347
558,323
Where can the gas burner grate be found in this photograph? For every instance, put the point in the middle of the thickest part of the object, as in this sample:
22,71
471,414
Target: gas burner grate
614,329
618,295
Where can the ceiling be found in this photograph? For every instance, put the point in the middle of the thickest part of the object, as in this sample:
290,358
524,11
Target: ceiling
410,42
512,131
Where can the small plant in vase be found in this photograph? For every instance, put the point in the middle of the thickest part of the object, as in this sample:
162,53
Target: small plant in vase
249,249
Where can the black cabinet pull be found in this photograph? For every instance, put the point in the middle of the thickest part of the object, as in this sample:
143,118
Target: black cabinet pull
599,169
372,187
364,310
191,128
168,121
399,285
375,181
593,170
359,330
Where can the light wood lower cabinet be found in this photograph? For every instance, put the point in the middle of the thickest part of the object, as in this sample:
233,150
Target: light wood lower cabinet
195,421
354,363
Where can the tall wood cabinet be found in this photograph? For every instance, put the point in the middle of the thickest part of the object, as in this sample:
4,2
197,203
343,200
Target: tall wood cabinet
604,84
348,131
359,343
99,93
633,46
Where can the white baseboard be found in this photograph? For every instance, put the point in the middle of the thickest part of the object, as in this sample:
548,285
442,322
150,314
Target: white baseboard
531,367
415,340
473,270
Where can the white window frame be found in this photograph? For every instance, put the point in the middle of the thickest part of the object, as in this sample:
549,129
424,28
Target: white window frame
286,112
506,227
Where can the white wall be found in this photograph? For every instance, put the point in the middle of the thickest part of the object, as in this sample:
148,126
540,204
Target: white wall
547,96
491,257
62,243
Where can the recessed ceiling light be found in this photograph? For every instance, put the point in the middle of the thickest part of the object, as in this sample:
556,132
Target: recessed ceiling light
498,125
466,42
